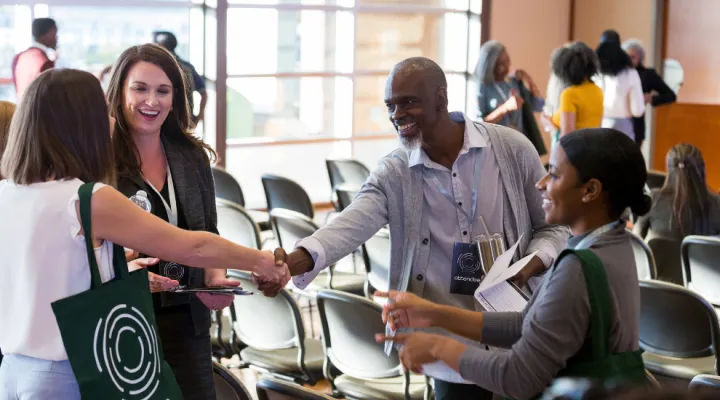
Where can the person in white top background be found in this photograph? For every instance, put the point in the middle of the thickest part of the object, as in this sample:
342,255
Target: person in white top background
59,139
621,85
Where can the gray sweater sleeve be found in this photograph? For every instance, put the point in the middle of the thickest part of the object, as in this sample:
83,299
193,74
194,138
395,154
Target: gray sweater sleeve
501,329
556,330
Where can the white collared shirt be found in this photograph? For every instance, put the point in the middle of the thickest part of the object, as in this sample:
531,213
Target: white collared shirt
443,223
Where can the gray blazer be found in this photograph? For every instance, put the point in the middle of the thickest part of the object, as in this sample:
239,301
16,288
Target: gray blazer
195,191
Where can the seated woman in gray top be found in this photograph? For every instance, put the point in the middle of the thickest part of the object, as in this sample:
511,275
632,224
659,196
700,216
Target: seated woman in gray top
684,205
594,175
500,95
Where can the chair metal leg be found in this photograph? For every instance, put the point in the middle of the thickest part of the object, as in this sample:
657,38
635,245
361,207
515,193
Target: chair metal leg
406,384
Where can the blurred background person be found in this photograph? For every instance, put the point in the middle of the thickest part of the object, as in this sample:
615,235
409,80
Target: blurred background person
194,82
581,102
620,83
505,99
684,205
27,65
656,92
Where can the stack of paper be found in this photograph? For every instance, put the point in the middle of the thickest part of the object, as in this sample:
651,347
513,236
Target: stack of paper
494,292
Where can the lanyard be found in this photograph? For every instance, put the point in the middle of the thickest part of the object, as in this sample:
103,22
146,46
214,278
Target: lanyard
170,209
502,94
589,240
449,196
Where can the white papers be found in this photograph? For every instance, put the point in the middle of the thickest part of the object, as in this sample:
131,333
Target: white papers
440,370
494,293
502,297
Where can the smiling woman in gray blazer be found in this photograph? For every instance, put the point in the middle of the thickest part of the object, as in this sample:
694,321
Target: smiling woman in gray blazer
165,169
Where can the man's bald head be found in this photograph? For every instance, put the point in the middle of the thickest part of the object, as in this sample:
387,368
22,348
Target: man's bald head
423,68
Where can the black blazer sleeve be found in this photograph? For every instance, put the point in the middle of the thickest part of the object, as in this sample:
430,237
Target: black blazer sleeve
665,94
209,196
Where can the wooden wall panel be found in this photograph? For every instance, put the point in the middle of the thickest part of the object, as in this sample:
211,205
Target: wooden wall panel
692,34
696,124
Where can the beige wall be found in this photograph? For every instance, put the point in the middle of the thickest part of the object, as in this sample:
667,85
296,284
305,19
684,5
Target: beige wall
531,29
631,18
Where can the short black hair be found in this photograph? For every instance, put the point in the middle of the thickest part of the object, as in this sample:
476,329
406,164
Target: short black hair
610,35
41,26
615,160
613,59
165,39
575,63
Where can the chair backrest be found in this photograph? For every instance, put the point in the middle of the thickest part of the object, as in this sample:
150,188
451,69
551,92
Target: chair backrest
668,263
644,260
349,325
346,193
676,322
266,323
376,254
283,193
656,179
227,385
706,383
276,389
227,187
290,226
346,171
236,225
701,265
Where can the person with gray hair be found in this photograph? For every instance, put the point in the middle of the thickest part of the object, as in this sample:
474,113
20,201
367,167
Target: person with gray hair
656,91
502,96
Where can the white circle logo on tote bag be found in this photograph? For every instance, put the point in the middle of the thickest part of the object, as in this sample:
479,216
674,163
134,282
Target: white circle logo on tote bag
126,348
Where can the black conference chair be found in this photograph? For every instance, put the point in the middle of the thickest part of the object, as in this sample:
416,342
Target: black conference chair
656,179
237,225
346,171
706,383
289,227
275,389
273,330
701,265
345,194
228,188
283,193
644,260
227,385
668,262
221,335
349,324
376,254
679,332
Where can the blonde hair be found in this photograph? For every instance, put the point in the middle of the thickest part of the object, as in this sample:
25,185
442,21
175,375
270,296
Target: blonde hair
7,109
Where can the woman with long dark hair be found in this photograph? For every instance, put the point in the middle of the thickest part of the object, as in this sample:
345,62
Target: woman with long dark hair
684,205
161,165
594,175
621,86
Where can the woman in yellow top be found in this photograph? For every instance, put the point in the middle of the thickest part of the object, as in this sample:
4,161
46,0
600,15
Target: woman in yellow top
581,102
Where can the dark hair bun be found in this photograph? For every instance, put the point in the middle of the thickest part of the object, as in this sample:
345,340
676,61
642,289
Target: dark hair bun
642,205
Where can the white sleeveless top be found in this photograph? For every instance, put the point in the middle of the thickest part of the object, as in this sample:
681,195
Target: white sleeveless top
42,259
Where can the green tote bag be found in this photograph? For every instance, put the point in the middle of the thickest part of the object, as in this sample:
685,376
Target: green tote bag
109,331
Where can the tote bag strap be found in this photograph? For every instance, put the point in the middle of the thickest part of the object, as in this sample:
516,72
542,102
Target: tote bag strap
85,193
599,296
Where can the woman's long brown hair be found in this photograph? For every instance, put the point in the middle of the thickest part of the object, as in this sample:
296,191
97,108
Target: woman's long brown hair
686,187
177,126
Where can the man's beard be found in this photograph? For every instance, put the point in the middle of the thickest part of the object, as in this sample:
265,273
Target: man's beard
411,143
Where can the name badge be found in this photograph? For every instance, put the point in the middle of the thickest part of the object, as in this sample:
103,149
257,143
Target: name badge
467,272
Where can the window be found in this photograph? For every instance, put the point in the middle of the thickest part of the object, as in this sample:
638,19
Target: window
317,68
91,38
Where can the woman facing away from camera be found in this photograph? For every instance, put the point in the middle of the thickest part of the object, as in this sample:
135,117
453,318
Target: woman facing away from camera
684,205
59,139
594,175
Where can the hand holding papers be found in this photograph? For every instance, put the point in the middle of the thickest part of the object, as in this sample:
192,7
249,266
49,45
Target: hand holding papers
494,292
